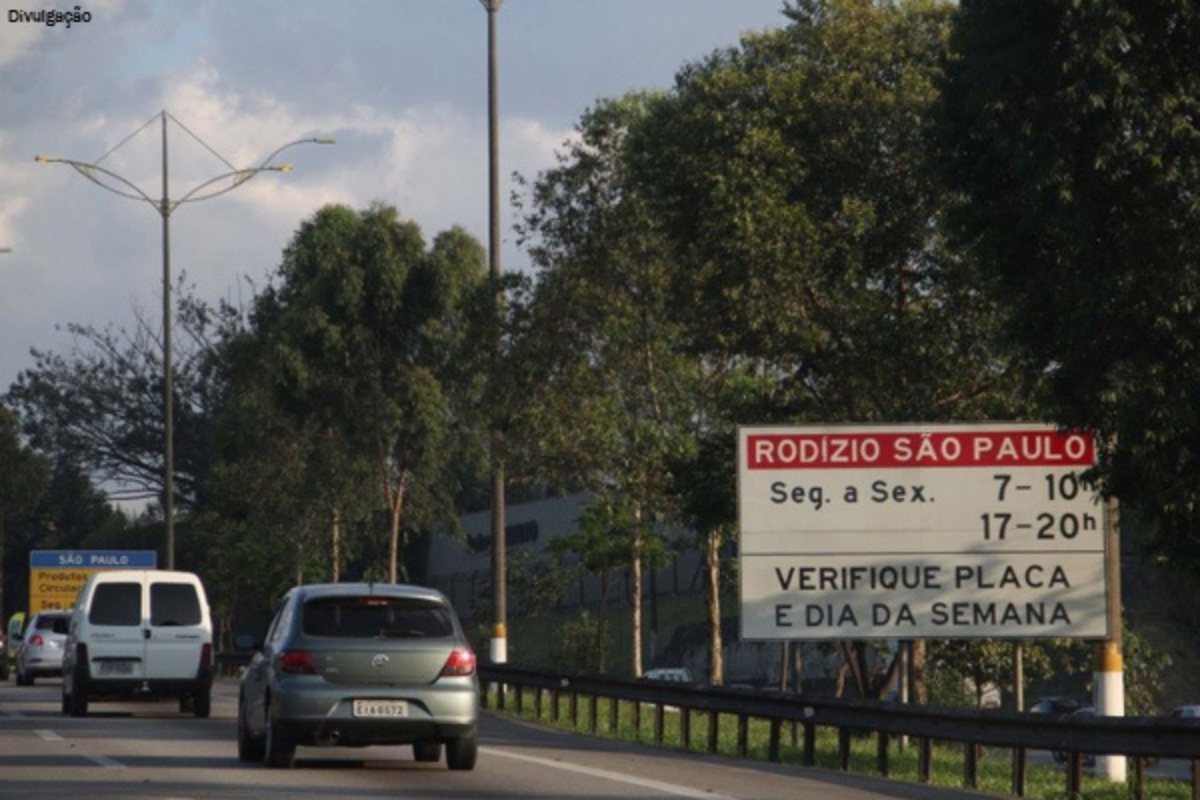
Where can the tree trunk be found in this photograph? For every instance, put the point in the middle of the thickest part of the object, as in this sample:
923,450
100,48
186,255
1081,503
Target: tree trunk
598,645
395,482
636,571
851,653
839,687
394,540
712,559
797,667
917,691
335,537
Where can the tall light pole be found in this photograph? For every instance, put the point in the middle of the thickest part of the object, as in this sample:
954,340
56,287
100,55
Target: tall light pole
499,643
165,207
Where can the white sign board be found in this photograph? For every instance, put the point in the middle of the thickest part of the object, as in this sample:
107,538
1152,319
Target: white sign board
919,532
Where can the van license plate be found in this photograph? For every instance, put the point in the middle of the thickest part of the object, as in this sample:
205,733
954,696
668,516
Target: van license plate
116,667
380,708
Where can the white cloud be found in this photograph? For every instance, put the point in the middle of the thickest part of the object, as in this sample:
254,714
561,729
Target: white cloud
401,86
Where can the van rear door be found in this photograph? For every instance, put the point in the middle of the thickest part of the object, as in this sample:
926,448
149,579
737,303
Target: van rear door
177,631
117,645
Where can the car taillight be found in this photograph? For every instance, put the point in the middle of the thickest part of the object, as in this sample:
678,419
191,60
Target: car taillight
297,662
460,662
81,654
206,658
36,640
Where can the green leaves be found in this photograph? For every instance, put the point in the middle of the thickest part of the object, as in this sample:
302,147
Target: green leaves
1069,135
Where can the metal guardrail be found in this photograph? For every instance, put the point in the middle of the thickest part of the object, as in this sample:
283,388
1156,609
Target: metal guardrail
1140,738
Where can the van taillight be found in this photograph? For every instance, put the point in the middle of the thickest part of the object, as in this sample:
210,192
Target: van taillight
297,662
206,658
460,662
37,640
81,655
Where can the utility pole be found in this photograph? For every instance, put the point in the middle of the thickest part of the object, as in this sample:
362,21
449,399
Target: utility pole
499,642
1109,692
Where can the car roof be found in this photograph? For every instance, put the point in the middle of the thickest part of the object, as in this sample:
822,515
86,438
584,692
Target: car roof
317,590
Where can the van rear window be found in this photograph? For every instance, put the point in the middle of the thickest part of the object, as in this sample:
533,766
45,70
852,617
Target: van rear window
116,604
174,604
373,616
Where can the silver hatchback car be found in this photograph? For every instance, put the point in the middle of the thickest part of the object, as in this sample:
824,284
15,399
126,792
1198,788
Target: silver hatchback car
40,653
357,664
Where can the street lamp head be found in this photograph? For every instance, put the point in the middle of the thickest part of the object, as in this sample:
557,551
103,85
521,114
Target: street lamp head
325,140
41,159
284,168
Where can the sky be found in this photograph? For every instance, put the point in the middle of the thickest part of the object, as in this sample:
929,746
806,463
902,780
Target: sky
400,84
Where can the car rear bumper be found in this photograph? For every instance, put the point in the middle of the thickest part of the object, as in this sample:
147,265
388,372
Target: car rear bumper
324,714
362,733
148,689
43,668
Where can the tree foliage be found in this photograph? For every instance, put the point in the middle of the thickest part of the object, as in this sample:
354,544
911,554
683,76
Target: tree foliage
100,404
23,478
795,176
1070,137
614,396
368,341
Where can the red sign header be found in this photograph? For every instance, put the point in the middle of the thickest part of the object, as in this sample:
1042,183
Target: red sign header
999,448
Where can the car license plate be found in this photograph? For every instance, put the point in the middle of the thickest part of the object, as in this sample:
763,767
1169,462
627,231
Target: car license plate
116,667
380,708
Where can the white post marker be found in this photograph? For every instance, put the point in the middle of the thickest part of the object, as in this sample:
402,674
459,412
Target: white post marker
1110,702
498,649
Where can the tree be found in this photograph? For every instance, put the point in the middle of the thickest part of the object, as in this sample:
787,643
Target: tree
24,476
366,327
100,404
608,393
273,475
602,544
794,176
1069,136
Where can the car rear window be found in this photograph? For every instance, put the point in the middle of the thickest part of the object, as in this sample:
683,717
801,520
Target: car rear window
56,624
174,604
116,604
367,617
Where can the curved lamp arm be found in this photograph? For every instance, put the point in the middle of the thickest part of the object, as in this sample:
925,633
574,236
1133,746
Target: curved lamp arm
200,192
89,171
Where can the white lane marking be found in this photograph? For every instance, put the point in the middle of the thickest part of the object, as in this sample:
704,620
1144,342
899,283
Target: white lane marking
105,761
666,788
49,736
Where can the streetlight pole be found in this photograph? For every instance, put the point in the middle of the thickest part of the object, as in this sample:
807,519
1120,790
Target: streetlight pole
499,643
166,206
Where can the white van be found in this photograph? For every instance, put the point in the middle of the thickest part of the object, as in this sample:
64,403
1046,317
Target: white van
139,634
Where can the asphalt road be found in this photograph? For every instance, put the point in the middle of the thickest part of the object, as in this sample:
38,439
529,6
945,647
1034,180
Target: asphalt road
149,750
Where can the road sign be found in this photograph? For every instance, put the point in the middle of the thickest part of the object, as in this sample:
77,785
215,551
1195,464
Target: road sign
919,531
56,576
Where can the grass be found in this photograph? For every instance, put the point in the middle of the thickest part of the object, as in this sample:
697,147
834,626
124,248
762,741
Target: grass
995,768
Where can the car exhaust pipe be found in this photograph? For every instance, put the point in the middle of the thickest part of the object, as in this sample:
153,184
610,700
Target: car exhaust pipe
328,738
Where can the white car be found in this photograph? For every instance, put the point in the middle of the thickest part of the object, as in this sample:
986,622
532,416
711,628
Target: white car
40,652
1185,712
